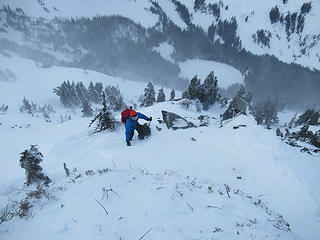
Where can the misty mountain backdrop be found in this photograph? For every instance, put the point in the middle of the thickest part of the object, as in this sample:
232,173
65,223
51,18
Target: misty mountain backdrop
275,45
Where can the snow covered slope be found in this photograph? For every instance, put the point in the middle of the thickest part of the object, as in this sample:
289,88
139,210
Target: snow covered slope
198,183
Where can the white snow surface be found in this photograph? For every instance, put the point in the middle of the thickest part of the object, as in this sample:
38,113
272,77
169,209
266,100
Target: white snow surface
227,184
226,74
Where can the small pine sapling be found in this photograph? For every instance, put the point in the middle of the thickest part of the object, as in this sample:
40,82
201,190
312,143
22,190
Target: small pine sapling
172,95
30,160
104,119
161,96
149,97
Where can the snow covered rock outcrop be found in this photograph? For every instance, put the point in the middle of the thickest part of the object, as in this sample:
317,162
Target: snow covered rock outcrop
174,121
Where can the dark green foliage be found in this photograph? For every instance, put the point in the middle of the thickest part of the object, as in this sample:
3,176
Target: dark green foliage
305,135
34,109
161,96
288,24
194,89
263,36
306,8
73,95
199,5
300,25
149,97
93,95
98,87
81,92
274,15
209,91
86,109
212,32
30,160
183,12
68,94
114,98
228,32
172,95
104,119
309,117
27,107
214,9
290,21
293,21
266,112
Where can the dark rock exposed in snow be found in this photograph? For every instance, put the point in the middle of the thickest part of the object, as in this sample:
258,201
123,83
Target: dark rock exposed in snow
174,121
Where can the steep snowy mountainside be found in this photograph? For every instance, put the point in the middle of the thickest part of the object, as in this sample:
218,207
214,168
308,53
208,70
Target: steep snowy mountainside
134,10
247,182
292,36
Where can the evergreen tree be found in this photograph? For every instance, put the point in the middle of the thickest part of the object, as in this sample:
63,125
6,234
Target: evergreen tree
194,89
26,106
104,119
199,5
274,15
149,97
82,92
266,112
92,93
86,109
161,96
209,93
172,95
73,96
30,160
114,98
99,88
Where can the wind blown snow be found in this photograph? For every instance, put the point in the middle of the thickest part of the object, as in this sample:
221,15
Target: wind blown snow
226,74
197,183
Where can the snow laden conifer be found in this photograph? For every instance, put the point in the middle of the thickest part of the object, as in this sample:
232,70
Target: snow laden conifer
209,91
92,93
161,96
114,98
81,91
266,112
99,89
172,95
194,90
149,97
26,106
86,109
104,119
30,161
